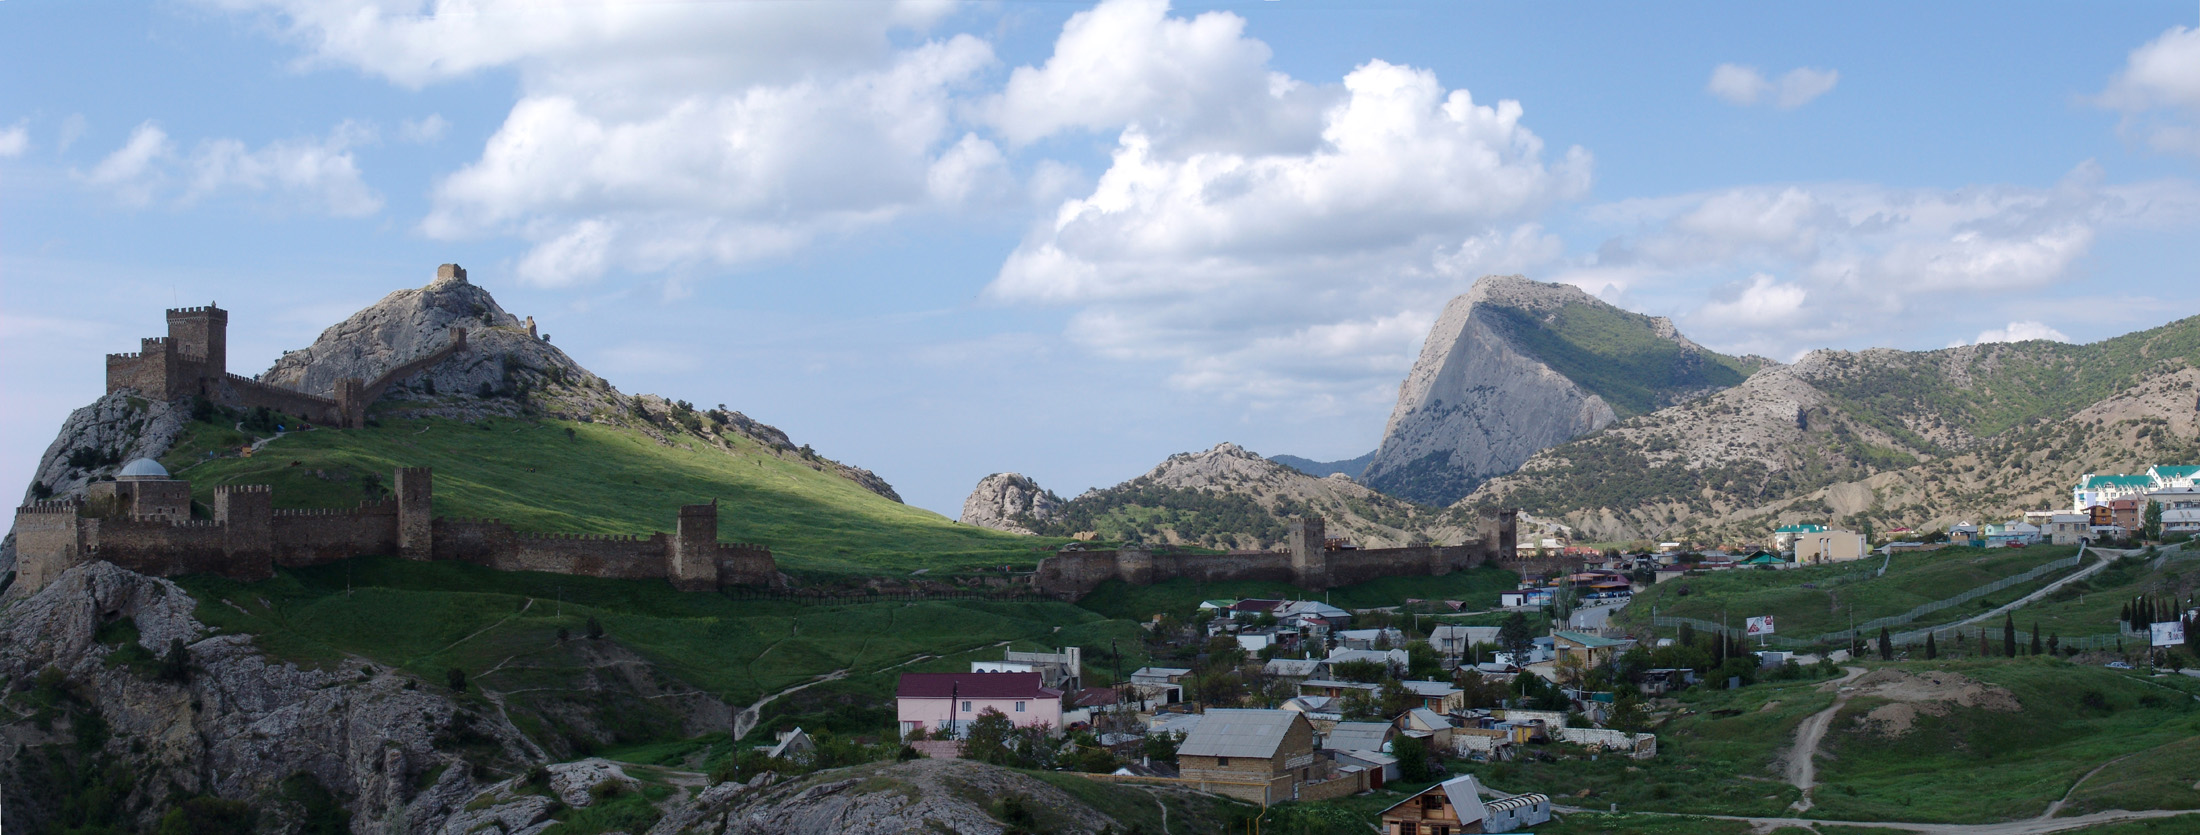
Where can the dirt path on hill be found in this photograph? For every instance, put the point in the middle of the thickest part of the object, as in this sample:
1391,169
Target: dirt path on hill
1802,769
745,721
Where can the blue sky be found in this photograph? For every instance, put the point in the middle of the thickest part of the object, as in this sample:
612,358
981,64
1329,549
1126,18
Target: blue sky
943,240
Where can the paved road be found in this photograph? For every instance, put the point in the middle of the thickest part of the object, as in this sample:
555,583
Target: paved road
1593,617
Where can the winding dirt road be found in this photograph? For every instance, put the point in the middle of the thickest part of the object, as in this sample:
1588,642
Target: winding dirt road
1802,767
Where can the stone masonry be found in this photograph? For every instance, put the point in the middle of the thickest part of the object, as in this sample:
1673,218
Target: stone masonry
248,538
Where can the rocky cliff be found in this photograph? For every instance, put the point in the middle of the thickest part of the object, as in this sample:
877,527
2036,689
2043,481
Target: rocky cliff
1514,367
123,703
1002,499
1878,439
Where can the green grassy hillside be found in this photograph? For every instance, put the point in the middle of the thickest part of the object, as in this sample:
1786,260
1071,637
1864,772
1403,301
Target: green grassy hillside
1619,355
1819,599
563,476
2090,606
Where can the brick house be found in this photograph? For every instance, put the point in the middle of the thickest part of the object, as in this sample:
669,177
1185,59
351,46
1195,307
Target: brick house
928,701
1263,756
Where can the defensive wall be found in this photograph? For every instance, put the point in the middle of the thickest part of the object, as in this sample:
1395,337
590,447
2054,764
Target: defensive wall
1307,562
248,538
193,361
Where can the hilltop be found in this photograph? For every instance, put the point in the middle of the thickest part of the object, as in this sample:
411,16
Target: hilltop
1515,366
1229,497
1877,439
517,430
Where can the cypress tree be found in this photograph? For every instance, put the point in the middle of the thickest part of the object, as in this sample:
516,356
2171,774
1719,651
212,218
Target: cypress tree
1931,651
2124,614
2037,647
1985,650
2009,635
1886,645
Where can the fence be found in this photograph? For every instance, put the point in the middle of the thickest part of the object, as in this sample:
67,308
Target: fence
1868,627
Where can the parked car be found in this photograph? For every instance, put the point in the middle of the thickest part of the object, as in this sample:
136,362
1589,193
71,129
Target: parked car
2118,665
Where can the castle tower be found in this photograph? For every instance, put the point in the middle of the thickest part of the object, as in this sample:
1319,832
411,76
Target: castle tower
693,564
351,403
202,331
1310,552
415,513
246,513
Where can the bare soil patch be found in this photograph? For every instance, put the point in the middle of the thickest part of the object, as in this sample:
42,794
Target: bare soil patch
1929,693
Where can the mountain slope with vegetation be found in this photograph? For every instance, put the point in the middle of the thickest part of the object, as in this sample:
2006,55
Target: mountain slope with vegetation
1878,439
1515,366
1231,498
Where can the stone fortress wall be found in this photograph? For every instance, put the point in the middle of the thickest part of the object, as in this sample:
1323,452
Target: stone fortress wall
1307,562
248,538
193,361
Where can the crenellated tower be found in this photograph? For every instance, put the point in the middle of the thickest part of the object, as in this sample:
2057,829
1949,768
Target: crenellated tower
694,563
202,332
415,513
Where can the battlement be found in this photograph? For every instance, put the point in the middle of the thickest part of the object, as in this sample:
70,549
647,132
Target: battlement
585,537
320,511
416,472
70,506
450,272
700,509
243,488
194,523
210,311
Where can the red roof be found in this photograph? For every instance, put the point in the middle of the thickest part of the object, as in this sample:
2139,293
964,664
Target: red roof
973,686
1094,696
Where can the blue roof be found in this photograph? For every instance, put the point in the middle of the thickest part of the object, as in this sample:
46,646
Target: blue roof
1802,529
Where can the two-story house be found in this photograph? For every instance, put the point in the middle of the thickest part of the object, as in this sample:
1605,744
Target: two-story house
1264,756
928,701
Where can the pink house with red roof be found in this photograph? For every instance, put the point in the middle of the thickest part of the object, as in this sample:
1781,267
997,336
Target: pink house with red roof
927,701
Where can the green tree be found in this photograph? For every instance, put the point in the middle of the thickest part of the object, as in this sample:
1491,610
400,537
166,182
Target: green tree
987,737
1932,651
1516,638
2038,646
456,678
2150,525
1412,754
2009,636
1886,645
1422,662
207,816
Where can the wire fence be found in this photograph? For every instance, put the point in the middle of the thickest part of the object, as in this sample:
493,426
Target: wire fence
826,597
1868,627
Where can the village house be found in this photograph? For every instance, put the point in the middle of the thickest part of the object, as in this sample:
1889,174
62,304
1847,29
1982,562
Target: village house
1162,685
1456,806
1262,756
1429,725
1394,660
1365,744
926,702
1592,650
1524,598
2180,509
1062,670
1390,638
1334,689
2010,535
1828,546
1439,696
1291,669
1454,642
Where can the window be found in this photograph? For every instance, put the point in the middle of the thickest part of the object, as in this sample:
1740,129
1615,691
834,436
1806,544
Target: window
1439,829
1222,761
1432,802
1409,828
1019,707
966,707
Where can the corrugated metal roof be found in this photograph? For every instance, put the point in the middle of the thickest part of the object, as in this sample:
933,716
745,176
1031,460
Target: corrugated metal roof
972,686
1516,801
1586,640
1239,733
1429,688
1356,736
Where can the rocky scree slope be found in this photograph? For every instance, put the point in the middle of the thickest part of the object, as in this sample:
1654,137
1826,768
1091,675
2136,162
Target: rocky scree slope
1515,366
1230,497
1879,439
102,713
1002,498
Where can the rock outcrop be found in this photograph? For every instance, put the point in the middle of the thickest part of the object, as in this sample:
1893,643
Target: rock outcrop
928,795
1514,367
1001,499
219,720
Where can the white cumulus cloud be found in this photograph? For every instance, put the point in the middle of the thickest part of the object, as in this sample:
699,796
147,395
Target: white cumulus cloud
312,173
14,141
1744,86
2158,91
2021,332
1265,236
1764,302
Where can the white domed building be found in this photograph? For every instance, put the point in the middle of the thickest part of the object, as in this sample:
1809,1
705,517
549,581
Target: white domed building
143,490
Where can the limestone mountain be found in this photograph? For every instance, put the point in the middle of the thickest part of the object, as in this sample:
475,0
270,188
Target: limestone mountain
1350,467
1229,497
1001,499
1879,439
1515,366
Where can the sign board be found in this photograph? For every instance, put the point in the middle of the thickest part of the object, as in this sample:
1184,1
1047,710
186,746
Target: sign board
1760,626
2168,634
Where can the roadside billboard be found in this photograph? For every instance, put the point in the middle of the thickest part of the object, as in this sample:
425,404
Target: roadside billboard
2169,634
1760,626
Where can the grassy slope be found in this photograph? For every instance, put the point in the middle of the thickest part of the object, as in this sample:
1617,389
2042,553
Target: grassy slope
1912,579
1975,765
429,617
1619,356
613,481
2089,606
